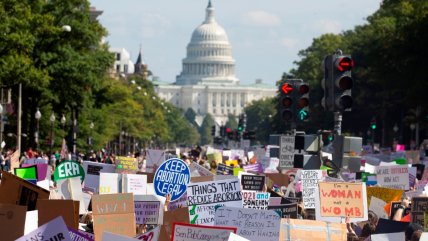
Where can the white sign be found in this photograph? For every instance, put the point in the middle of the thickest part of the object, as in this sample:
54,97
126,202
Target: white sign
53,230
116,237
154,159
310,179
188,232
252,224
197,170
109,183
393,177
286,151
149,209
235,237
135,183
388,237
377,206
202,197
92,173
255,200
152,235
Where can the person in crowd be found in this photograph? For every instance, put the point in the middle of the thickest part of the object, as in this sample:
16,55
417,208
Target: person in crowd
398,216
412,229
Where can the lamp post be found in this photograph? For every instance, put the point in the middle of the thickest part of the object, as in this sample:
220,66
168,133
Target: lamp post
91,126
52,119
63,120
1,126
38,115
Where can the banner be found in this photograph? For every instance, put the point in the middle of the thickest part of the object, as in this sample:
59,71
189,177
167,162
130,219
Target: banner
310,179
252,224
172,178
126,164
255,200
113,213
393,177
339,200
287,210
202,198
188,232
92,172
54,230
252,182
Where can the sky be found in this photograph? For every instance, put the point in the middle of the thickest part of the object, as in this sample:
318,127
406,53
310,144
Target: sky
265,35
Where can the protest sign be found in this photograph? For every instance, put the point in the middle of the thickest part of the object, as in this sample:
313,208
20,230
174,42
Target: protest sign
179,203
198,170
152,235
110,183
202,198
154,159
258,168
388,236
419,207
390,226
31,222
394,207
310,179
78,235
43,171
17,191
378,206
216,156
393,177
34,161
255,200
53,230
385,194
149,209
338,200
232,163
172,178
278,179
286,151
180,215
252,182
134,183
252,224
310,230
224,170
107,236
113,213
92,173
12,221
287,210
189,232
27,173
68,169
50,209
235,237
71,188
126,164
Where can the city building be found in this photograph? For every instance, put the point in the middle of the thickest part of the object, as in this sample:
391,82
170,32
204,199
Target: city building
207,82
122,63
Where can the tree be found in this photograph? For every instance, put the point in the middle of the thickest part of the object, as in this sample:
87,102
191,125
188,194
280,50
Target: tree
205,130
190,115
259,118
231,122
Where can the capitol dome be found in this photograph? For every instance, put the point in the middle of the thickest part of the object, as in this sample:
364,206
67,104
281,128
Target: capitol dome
209,55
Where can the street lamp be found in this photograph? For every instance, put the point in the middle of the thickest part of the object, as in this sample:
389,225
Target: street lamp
63,120
91,126
52,119
38,115
1,125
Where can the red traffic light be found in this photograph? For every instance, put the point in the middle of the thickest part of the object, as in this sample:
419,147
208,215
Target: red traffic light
345,64
228,130
287,102
303,89
287,88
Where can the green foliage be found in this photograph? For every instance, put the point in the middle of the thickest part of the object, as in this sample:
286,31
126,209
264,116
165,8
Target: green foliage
231,122
205,130
260,117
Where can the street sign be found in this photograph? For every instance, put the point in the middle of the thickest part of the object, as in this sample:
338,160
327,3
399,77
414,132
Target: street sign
286,151
68,169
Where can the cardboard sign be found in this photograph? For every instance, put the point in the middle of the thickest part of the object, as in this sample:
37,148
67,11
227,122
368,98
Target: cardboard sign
286,151
235,237
419,207
287,210
17,191
68,169
393,177
152,235
12,221
178,215
113,213
68,209
126,164
339,200
78,235
202,198
252,224
154,159
149,209
310,179
252,182
255,200
54,230
278,179
383,193
172,178
189,232
224,170
92,172
310,230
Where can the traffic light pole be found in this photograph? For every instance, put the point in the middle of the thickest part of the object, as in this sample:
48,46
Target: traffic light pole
338,123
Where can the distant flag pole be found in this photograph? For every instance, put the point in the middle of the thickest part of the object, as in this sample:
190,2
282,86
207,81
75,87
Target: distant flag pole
64,150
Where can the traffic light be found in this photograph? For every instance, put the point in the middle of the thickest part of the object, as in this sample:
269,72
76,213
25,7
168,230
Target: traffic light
222,131
229,133
213,130
241,123
373,125
303,102
337,82
249,135
286,105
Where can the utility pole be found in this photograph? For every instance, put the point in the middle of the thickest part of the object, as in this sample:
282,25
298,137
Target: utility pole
18,128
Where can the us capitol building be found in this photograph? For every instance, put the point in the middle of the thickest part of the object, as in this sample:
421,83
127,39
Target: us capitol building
207,82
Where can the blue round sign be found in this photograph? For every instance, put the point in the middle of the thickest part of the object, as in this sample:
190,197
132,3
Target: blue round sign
172,177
